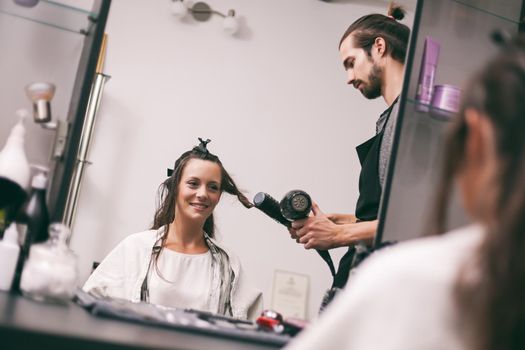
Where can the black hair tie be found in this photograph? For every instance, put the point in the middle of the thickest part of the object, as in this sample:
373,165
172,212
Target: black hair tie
202,147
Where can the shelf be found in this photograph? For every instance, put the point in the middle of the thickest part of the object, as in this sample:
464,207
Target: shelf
431,111
464,35
506,10
54,14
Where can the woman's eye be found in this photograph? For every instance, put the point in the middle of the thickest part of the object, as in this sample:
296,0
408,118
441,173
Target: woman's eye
192,183
214,188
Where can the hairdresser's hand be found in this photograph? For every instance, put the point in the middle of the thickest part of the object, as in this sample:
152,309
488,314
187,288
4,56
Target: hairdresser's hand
321,231
317,231
293,233
341,219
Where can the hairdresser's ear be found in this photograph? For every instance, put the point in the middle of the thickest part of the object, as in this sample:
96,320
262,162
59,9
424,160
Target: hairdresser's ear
380,46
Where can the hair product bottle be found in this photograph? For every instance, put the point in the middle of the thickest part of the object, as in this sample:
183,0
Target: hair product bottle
33,220
427,73
9,251
14,174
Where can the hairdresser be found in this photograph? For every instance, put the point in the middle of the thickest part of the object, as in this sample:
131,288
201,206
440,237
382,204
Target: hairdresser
373,52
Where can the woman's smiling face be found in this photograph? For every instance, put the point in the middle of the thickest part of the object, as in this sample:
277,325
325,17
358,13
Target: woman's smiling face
199,190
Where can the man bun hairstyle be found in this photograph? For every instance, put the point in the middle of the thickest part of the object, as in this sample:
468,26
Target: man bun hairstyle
395,11
366,29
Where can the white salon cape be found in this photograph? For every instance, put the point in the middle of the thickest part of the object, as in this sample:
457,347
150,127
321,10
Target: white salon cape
182,281
398,299
121,273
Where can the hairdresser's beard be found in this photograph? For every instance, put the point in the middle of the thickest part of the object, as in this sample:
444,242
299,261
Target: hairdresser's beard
375,82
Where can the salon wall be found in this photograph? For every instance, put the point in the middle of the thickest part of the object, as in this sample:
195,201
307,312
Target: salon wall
272,98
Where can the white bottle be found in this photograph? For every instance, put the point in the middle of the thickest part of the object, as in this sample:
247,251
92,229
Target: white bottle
13,160
9,251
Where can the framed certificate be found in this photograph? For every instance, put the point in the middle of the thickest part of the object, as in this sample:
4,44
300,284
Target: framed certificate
290,293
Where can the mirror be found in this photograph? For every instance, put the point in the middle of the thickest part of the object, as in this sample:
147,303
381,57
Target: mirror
421,136
274,101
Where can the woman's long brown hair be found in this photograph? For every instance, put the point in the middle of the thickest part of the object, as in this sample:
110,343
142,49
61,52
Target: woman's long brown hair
168,190
492,305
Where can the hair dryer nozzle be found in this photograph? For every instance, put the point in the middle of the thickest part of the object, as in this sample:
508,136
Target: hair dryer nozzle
268,205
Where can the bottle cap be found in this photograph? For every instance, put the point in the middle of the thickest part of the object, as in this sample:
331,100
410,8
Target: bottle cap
40,179
11,235
59,233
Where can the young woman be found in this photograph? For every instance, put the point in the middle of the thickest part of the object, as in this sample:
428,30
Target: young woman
177,263
464,289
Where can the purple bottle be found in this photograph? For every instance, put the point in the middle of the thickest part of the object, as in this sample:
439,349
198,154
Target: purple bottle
427,73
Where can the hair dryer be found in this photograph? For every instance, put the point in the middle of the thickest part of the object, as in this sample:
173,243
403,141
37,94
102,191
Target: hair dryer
295,205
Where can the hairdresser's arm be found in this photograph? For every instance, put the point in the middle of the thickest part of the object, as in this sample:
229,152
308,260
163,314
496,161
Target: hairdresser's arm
341,219
319,232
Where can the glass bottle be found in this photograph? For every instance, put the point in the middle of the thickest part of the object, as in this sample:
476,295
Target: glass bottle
50,273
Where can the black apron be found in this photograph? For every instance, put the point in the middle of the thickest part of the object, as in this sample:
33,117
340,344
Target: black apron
368,201
369,195
366,209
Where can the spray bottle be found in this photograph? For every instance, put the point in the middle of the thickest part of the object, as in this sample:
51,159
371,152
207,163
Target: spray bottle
32,220
14,173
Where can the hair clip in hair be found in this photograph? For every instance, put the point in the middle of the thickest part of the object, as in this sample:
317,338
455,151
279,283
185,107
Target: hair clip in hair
203,145
201,148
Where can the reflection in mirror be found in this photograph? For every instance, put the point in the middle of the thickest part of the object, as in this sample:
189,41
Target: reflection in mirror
273,101
272,98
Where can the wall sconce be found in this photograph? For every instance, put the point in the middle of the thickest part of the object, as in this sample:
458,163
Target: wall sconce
202,12
41,95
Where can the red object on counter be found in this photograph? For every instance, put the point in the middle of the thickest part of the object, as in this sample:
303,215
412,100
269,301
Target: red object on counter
267,322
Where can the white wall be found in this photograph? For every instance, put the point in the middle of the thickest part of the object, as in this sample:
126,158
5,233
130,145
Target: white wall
273,100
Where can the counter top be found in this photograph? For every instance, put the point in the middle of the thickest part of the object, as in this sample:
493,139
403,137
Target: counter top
27,324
